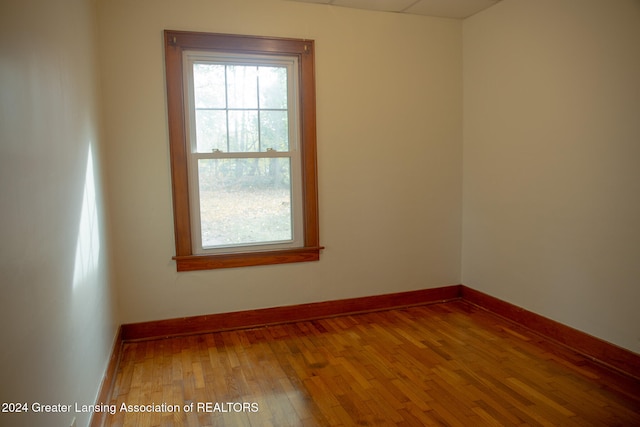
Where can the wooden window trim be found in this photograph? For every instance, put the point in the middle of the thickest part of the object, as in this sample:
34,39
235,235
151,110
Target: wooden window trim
176,42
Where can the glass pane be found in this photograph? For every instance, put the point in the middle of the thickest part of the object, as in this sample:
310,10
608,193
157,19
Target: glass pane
273,87
208,85
244,201
211,130
243,131
274,130
242,86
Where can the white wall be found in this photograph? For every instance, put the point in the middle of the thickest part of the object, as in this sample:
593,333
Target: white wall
56,311
551,148
389,139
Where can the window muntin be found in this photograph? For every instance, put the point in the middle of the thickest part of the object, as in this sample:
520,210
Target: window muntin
263,134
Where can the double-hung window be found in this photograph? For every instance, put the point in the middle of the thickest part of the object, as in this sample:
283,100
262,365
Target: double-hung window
243,153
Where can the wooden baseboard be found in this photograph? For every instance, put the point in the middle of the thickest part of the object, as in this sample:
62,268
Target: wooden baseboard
286,314
603,352
108,382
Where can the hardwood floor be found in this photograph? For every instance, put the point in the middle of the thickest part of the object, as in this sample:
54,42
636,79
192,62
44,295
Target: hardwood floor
449,364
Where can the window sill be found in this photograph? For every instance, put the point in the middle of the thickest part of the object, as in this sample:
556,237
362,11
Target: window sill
211,262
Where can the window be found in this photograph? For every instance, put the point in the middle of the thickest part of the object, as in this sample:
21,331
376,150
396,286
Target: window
243,149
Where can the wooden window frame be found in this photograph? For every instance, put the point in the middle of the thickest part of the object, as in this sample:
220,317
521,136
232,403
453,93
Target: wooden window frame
177,42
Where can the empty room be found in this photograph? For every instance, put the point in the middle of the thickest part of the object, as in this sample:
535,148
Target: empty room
320,212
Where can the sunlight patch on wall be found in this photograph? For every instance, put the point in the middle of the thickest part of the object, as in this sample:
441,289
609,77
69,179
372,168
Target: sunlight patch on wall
88,245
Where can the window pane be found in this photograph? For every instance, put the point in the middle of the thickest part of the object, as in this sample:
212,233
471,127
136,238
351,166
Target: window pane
211,130
273,87
242,86
209,87
243,131
274,130
244,201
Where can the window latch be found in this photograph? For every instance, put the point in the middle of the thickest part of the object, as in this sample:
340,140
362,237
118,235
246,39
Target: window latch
216,150
271,150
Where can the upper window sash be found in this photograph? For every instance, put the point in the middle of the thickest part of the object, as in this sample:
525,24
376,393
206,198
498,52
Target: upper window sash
227,106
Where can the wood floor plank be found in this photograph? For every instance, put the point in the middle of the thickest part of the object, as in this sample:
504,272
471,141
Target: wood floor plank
443,364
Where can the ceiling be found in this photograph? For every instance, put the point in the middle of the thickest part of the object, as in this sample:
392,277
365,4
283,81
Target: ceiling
442,8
